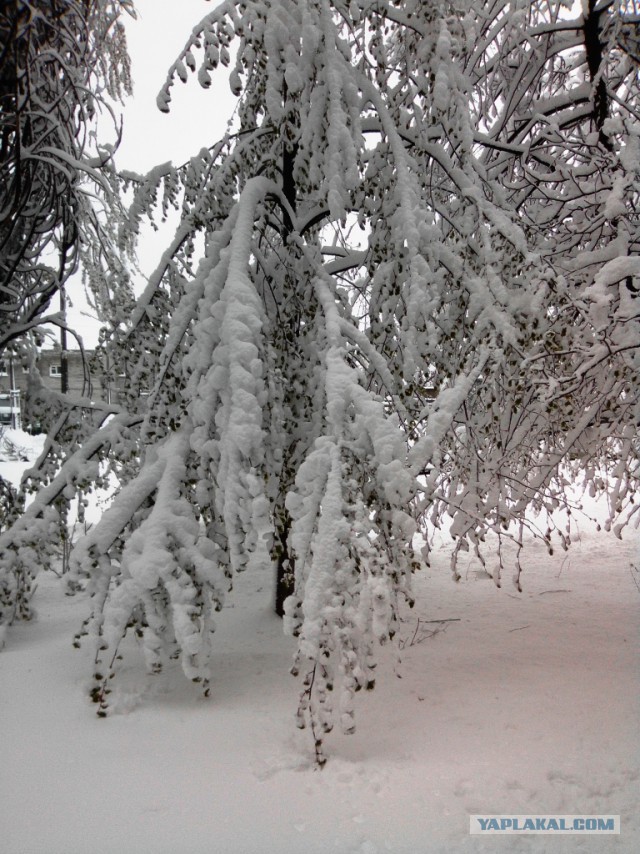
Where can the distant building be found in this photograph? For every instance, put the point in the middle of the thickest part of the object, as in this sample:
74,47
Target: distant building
14,377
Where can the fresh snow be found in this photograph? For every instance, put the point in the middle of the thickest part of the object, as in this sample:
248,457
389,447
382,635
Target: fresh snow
514,703
19,447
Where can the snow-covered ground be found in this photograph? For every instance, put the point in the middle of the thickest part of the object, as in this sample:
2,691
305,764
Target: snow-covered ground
515,703
17,451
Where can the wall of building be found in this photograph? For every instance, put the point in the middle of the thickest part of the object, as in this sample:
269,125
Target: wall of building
49,363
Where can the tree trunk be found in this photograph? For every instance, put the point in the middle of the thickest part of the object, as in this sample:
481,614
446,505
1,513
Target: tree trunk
284,560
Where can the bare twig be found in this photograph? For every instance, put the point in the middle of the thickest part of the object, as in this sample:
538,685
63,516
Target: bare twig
563,590
418,636
633,568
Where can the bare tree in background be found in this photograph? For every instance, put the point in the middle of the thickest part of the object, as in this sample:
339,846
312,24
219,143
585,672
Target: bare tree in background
61,63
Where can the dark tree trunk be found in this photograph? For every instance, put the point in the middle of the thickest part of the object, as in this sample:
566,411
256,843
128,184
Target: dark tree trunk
593,47
284,561
281,553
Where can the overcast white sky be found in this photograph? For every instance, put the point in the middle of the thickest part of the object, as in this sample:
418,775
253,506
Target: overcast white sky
198,117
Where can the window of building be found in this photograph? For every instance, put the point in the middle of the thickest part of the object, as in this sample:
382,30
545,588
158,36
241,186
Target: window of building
55,371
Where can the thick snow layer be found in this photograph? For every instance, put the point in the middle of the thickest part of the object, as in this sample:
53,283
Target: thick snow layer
515,703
